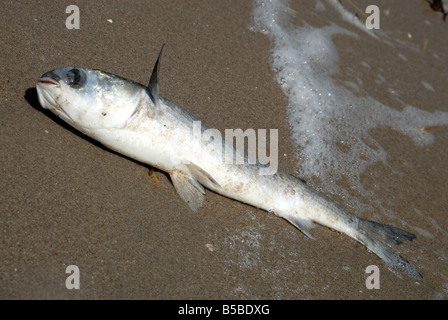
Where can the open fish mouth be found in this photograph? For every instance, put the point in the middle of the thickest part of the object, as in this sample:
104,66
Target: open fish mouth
44,87
48,80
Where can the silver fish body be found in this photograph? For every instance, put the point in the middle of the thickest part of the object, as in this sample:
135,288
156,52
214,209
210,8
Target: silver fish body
136,121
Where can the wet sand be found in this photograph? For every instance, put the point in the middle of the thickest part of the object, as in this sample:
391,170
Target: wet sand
65,200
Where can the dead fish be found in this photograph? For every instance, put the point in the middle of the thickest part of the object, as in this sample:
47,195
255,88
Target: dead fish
136,121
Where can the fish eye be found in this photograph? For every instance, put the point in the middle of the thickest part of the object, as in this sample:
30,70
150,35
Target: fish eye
75,78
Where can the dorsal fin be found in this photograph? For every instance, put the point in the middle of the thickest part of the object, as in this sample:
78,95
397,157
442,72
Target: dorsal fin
153,85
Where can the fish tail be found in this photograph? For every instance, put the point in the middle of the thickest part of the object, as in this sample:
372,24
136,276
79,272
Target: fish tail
379,237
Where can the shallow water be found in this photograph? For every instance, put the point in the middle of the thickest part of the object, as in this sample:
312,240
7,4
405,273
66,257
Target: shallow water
331,120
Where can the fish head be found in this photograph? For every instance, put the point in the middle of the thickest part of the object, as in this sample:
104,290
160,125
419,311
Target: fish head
89,99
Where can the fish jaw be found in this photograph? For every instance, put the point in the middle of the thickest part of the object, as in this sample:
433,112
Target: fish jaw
47,91
88,99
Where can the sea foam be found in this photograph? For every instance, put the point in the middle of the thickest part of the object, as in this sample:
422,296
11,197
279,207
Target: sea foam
330,124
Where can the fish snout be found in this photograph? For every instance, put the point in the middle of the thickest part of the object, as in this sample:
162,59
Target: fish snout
50,78
48,88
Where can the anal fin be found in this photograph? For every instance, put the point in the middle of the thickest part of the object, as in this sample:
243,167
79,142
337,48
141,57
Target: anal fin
304,225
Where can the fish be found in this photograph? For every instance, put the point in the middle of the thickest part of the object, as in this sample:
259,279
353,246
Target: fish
136,121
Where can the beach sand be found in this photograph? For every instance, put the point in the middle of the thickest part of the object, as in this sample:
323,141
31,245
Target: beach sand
66,200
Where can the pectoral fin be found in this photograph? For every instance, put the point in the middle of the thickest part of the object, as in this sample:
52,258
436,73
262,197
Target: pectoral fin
153,176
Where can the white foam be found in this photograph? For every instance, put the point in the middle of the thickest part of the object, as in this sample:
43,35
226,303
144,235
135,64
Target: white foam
365,64
330,124
352,18
380,79
402,57
320,6
428,86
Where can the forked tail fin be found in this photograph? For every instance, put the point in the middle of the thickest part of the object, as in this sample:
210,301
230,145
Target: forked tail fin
379,237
